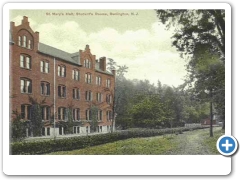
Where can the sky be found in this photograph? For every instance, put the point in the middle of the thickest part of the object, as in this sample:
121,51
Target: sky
133,38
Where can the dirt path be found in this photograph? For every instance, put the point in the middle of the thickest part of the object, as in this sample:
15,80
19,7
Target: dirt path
191,143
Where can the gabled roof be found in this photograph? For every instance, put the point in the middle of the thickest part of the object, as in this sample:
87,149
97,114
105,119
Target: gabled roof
49,50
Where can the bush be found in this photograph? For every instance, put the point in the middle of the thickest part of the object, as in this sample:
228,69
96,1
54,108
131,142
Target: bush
67,144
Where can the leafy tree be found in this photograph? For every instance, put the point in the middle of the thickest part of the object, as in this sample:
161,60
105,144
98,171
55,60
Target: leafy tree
194,27
208,75
18,127
111,65
94,114
36,116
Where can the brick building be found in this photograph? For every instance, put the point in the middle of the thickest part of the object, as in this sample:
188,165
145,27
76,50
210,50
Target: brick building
69,84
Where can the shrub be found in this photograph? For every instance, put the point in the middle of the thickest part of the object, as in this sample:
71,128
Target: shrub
66,144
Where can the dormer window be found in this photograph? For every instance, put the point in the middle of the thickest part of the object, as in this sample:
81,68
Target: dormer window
25,39
87,63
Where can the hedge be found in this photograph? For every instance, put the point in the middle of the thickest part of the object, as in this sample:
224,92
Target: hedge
67,144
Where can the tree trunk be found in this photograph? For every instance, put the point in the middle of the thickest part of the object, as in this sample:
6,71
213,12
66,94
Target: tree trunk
211,115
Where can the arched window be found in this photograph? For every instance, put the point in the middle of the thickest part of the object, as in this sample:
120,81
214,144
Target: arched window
75,74
99,97
76,93
88,78
76,114
98,80
61,70
45,88
99,115
24,44
87,63
25,61
108,98
61,91
19,40
108,83
109,115
88,114
26,111
44,66
26,85
45,113
62,113
88,96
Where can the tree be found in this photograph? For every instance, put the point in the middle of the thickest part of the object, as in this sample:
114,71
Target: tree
94,118
36,116
111,65
200,35
194,27
208,75
18,127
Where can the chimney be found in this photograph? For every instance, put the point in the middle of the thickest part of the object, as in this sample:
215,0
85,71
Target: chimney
102,64
25,20
87,49
114,72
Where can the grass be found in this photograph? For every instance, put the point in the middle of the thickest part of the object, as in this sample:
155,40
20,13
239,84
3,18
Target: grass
210,142
135,146
195,142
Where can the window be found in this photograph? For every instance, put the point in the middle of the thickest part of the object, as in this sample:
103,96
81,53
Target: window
98,80
88,96
87,63
99,115
44,66
109,115
62,113
19,40
88,78
26,85
108,83
45,88
24,41
108,98
75,75
88,114
45,113
99,97
26,111
76,114
62,91
61,71
25,61
76,93
29,44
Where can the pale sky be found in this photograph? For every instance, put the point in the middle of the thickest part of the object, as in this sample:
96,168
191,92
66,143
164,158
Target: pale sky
136,40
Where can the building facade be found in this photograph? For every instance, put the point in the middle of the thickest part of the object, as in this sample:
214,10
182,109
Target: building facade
68,86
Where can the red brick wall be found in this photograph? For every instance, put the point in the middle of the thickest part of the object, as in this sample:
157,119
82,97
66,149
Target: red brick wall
16,72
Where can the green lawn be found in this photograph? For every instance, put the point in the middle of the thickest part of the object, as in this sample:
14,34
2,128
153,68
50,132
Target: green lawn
210,142
153,145
195,142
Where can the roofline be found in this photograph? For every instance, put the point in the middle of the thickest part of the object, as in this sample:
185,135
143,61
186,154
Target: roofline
60,59
103,72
